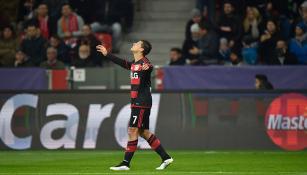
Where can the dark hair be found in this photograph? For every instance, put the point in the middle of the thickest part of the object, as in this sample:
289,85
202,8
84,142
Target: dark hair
66,4
228,2
176,49
236,49
264,82
261,77
274,21
55,36
10,27
32,23
146,46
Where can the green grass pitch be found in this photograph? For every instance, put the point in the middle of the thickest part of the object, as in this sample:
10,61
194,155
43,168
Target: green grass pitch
145,162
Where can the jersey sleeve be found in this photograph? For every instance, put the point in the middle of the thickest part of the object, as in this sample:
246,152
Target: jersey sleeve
119,61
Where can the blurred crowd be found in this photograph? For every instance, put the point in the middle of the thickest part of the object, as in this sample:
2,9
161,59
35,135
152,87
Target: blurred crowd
245,32
56,33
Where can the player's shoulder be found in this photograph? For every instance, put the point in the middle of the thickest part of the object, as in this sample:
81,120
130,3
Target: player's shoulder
145,60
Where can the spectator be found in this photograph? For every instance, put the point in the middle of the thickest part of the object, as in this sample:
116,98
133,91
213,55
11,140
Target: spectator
70,24
8,45
55,7
206,19
235,59
200,4
238,5
207,45
229,25
282,55
268,41
4,20
188,44
62,49
119,12
176,58
54,10
196,18
295,10
278,9
249,51
251,23
128,15
255,3
21,60
100,13
303,12
207,9
84,57
25,10
281,6
43,20
82,7
34,44
116,15
224,51
270,12
262,82
298,44
88,38
122,12
52,62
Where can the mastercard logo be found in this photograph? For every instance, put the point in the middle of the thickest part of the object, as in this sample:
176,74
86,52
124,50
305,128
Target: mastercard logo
286,121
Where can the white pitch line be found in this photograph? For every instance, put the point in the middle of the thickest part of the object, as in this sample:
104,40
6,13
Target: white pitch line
158,172
150,152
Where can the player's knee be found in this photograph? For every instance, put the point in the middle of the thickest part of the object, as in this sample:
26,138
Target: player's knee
146,134
141,132
133,131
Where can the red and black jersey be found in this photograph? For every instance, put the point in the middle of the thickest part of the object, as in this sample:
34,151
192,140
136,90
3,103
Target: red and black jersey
140,80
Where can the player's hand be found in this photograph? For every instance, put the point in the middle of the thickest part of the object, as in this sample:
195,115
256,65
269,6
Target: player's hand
145,67
102,49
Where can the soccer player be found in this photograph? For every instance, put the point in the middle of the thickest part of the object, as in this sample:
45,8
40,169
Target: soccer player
141,102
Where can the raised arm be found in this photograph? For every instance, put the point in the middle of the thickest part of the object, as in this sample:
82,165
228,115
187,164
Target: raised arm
121,62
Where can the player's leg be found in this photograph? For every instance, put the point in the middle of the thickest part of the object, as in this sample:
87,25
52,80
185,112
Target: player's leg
130,149
153,141
133,133
155,144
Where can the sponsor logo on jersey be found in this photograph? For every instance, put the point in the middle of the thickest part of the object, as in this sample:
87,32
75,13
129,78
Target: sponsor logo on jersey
134,75
136,67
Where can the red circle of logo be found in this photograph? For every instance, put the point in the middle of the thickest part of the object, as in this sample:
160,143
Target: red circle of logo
286,121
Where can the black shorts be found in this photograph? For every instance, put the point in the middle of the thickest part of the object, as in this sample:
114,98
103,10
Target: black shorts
139,118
